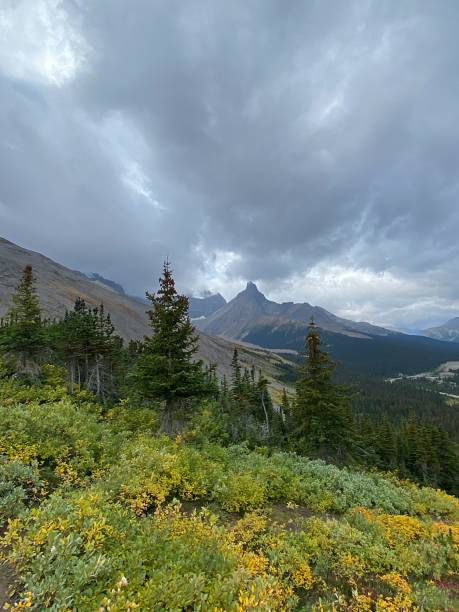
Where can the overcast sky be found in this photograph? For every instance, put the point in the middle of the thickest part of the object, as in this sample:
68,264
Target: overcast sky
310,146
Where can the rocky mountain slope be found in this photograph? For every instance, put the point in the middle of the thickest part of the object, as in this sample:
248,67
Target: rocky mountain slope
206,306
448,332
199,306
58,287
250,309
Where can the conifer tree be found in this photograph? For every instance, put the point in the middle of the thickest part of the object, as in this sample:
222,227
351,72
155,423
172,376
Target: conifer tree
210,376
386,443
165,370
322,420
236,378
22,332
87,344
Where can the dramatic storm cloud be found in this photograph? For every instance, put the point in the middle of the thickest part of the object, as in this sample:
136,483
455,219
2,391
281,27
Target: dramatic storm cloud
309,146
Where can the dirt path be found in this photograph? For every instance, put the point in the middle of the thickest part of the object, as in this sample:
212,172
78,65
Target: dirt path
6,580
7,577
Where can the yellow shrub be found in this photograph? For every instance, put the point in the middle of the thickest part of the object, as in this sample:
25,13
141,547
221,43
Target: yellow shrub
362,602
401,599
302,576
452,530
25,453
396,527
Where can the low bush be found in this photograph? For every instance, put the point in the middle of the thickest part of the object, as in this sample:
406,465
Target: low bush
82,551
67,440
153,470
20,486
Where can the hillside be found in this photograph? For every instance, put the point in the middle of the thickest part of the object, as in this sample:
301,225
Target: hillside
376,355
58,287
105,514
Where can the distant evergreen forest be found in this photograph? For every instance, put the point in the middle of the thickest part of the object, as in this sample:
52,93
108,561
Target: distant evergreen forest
397,427
377,356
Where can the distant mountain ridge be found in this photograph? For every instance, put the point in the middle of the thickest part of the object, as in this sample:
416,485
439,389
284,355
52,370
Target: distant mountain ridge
106,282
256,320
198,306
358,346
448,332
251,309
205,306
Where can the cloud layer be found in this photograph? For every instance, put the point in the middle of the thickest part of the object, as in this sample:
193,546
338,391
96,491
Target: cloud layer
311,146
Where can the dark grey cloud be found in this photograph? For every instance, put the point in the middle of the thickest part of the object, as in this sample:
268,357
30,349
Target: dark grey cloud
311,146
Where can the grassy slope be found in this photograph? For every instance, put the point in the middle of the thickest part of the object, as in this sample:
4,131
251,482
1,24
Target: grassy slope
98,526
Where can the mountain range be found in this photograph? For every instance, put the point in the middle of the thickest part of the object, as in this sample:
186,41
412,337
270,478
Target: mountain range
250,308
262,329
362,347
199,307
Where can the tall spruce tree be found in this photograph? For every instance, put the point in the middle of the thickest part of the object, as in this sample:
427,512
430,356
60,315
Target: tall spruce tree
21,333
165,369
322,421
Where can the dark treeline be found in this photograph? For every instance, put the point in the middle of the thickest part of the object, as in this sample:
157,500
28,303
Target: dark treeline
406,399
387,427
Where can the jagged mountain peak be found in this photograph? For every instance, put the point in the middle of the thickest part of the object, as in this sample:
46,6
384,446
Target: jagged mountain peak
252,292
251,286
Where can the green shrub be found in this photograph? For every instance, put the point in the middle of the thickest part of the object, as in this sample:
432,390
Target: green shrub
68,440
82,552
20,485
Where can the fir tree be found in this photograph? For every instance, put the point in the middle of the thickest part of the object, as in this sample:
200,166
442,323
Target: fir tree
87,344
224,387
21,334
210,376
322,419
165,370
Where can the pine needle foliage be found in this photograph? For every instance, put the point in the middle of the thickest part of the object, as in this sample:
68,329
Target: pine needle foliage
166,369
21,334
322,419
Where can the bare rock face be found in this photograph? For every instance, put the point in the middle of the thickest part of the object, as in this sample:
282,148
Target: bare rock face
58,287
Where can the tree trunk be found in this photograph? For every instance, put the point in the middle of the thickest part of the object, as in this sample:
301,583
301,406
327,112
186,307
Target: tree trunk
265,411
